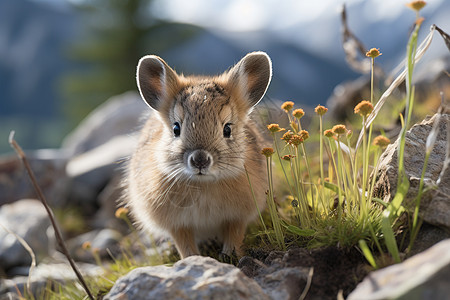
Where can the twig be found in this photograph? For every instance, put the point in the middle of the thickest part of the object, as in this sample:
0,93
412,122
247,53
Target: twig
308,284
445,36
29,250
353,47
41,197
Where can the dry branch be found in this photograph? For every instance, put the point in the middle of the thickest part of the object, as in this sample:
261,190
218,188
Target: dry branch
42,198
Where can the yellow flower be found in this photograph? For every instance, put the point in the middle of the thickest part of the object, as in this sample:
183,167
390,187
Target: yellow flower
304,134
374,52
320,110
296,140
339,129
364,108
328,133
274,128
298,113
288,157
416,5
287,106
287,136
121,212
381,141
267,152
86,245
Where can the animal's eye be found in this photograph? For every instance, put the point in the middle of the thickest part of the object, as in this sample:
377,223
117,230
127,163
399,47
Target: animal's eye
176,129
227,130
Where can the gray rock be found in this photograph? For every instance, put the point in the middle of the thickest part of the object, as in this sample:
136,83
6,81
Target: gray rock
195,277
101,240
428,236
48,165
284,284
9,296
120,115
57,272
435,204
280,280
29,220
91,171
424,276
99,147
109,200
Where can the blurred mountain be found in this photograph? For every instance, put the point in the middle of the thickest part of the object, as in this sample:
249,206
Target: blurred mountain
32,44
298,74
33,37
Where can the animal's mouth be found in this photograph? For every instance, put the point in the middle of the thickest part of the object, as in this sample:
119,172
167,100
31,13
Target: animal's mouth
202,172
202,175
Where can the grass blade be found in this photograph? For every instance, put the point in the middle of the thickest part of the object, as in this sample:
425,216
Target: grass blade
389,237
367,253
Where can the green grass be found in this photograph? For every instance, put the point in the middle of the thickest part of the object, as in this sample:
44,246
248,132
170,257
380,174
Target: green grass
332,204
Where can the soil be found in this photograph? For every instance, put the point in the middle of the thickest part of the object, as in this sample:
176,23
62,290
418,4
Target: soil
335,270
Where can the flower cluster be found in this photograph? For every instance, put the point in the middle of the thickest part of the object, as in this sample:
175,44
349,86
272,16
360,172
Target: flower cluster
339,129
364,108
416,5
374,52
287,106
298,113
267,152
274,128
122,212
381,141
320,110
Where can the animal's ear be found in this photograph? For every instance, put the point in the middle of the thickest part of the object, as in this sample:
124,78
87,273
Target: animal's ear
252,75
155,79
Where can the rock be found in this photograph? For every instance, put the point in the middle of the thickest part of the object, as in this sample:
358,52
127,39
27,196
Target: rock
100,145
90,172
109,200
424,276
120,115
48,166
10,296
428,236
346,96
435,204
28,219
57,272
287,283
100,240
195,277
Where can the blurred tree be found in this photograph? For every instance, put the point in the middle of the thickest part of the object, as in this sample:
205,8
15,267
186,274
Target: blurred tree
116,34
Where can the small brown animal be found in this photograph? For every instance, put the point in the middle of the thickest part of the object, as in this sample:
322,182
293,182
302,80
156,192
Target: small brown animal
187,176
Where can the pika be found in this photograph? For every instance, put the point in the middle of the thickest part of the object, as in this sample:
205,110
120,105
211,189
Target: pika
188,175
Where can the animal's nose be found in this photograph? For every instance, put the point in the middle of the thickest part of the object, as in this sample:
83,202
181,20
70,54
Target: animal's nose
200,159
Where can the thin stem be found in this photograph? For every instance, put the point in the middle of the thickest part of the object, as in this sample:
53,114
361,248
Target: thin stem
281,164
322,176
365,159
273,208
371,80
41,197
254,199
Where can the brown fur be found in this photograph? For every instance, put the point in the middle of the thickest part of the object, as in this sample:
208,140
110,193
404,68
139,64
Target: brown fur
163,190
